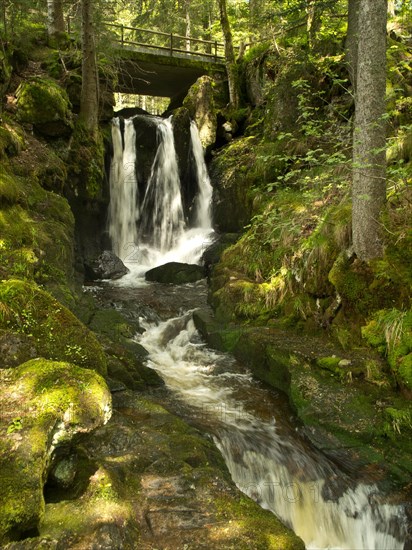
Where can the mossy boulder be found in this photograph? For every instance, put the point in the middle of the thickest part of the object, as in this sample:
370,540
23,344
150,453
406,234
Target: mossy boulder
390,332
43,103
44,405
200,103
49,326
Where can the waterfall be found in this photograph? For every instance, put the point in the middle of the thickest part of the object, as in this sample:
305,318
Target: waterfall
265,456
123,208
151,229
162,219
204,196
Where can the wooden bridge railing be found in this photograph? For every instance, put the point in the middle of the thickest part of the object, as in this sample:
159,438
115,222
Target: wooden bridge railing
167,42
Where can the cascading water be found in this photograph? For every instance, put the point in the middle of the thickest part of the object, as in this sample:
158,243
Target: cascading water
150,230
266,460
124,207
204,197
162,220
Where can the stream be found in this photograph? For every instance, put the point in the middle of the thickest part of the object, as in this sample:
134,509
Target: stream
251,425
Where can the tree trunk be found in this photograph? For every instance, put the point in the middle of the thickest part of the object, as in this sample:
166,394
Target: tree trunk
369,162
187,24
313,21
351,44
55,18
229,55
89,99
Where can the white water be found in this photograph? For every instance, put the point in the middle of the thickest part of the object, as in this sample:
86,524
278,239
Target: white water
151,230
204,197
268,462
162,219
123,208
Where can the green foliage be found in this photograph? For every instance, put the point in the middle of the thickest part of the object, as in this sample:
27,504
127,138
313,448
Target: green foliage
390,331
15,425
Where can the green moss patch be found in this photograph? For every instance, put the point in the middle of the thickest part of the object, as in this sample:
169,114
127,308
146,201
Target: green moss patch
43,103
54,331
44,404
390,331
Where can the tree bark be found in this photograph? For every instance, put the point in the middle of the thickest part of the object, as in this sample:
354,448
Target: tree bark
313,21
188,23
351,44
369,159
229,55
55,18
89,99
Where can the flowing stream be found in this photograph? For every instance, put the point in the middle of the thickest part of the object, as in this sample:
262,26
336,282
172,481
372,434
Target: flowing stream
251,426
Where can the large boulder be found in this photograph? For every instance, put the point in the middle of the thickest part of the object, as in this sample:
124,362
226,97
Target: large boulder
44,104
176,273
37,324
106,266
44,405
200,103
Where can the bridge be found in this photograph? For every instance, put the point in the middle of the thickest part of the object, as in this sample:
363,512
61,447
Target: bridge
161,64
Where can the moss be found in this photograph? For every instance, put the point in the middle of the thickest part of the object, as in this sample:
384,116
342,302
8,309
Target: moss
11,140
54,401
42,102
11,189
256,528
390,332
53,329
397,421
352,280
86,164
36,230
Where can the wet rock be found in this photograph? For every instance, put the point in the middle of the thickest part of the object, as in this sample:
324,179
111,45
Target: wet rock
176,273
106,266
212,254
64,471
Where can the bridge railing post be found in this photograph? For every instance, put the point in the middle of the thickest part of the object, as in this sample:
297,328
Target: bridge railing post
171,44
216,51
122,35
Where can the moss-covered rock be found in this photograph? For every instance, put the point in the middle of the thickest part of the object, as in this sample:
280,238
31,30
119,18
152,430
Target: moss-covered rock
232,200
44,404
51,328
11,140
390,331
200,103
36,229
43,103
